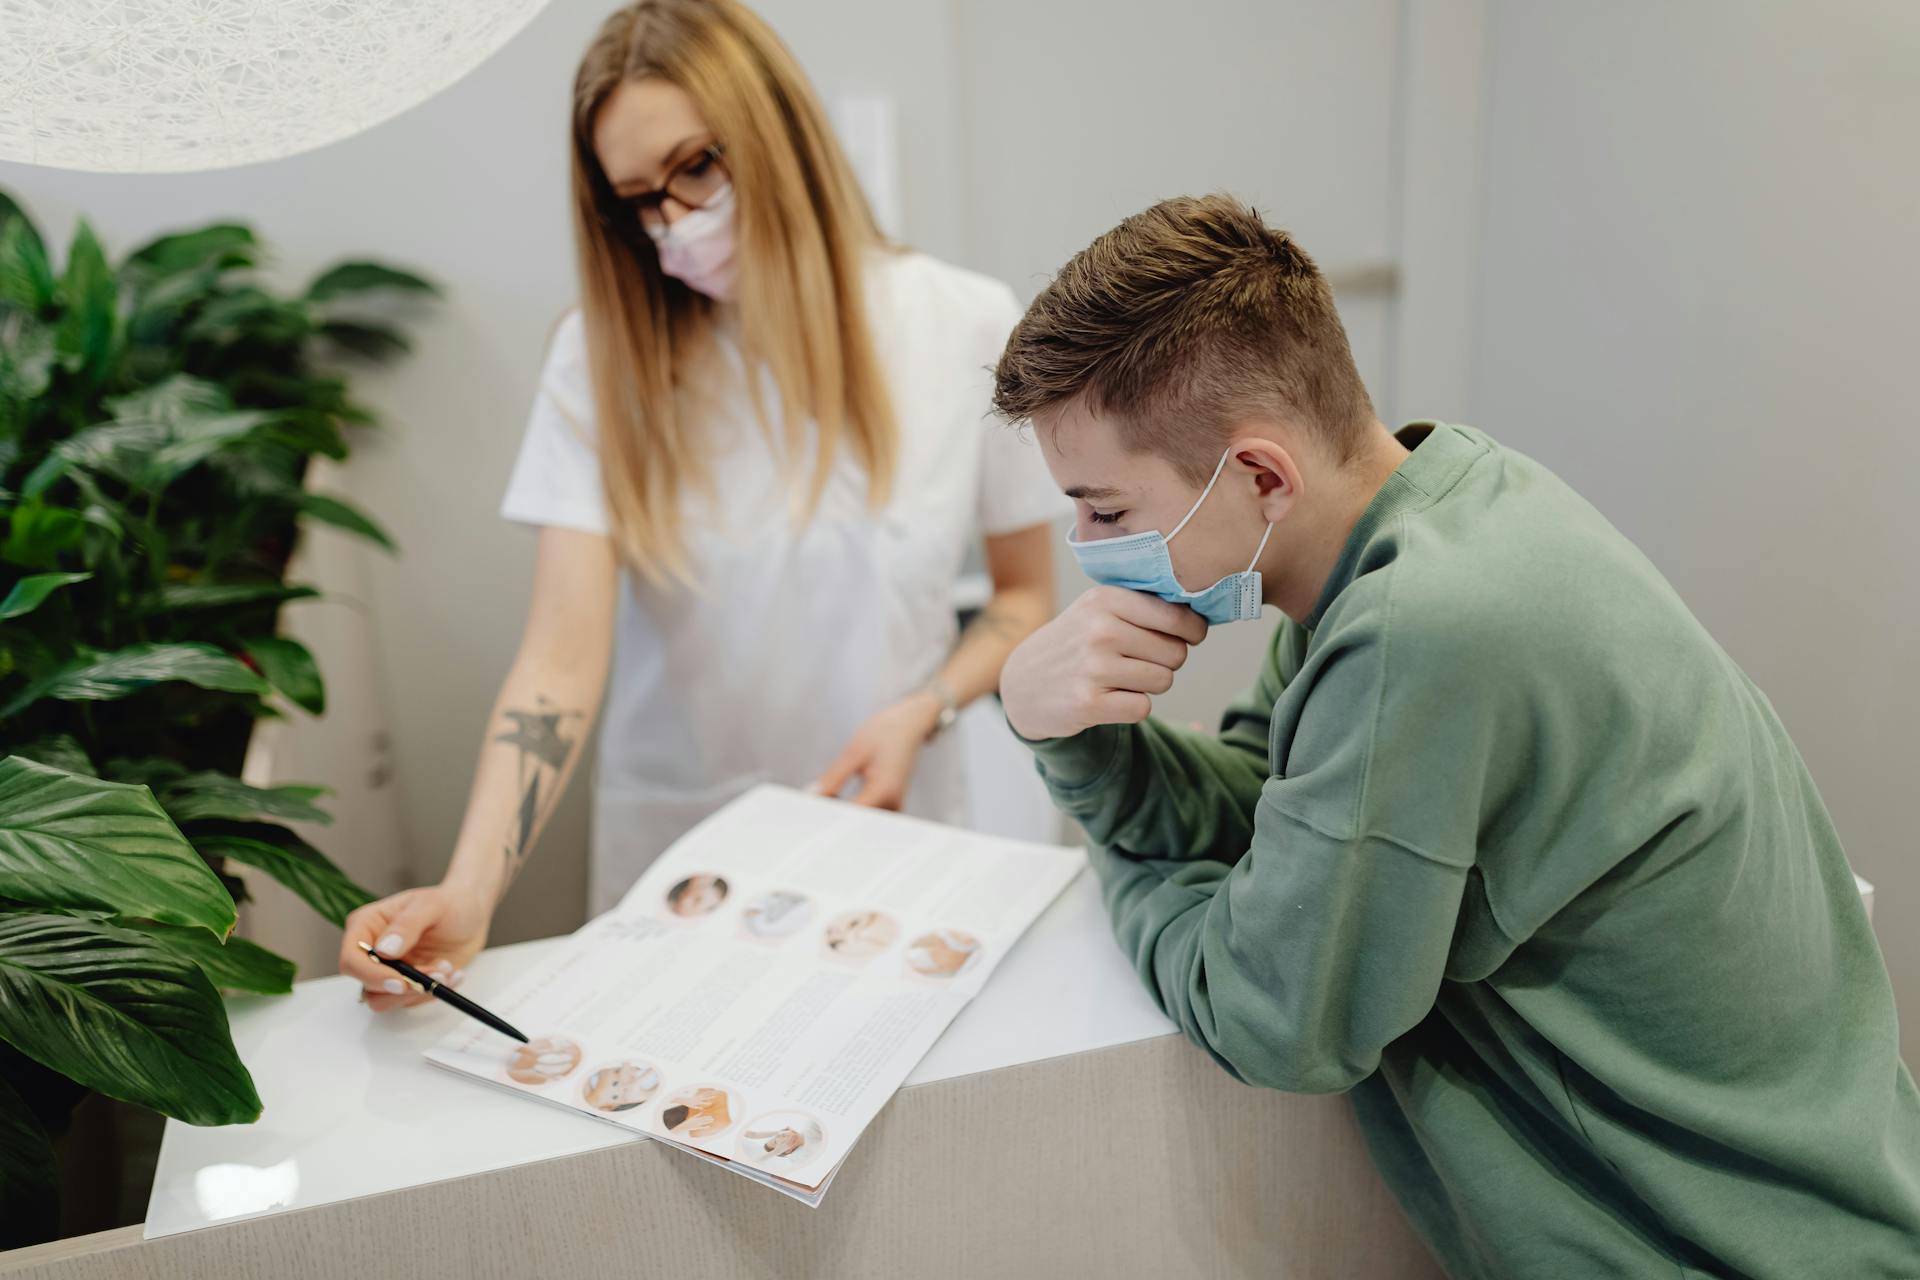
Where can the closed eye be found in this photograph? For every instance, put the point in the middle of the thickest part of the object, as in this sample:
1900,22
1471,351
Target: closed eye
1105,517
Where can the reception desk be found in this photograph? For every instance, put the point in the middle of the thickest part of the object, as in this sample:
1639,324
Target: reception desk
1060,1128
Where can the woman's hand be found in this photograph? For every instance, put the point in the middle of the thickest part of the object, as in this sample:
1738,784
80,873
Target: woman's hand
436,929
883,752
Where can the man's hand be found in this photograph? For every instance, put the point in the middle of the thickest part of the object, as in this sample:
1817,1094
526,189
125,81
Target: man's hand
1102,661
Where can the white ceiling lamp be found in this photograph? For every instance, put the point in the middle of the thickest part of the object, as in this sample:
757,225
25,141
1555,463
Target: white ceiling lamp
169,86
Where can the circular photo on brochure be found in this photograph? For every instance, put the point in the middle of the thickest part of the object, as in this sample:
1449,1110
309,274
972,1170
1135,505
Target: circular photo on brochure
699,1112
620,1086
543,1060
696,896
776,915
858,936
781,1140
943,953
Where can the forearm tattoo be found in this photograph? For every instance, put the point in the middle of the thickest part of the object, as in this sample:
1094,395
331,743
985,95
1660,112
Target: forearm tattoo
544,747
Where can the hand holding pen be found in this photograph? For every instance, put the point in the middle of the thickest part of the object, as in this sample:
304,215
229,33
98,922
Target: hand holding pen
441,991
436,928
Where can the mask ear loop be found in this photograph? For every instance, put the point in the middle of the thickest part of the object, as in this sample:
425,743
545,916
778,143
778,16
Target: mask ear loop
1257,550
1215,479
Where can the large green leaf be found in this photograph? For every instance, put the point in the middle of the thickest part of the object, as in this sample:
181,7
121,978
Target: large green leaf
176,596
30,592
70,841
87,331
197,796
342,515
152,772
233,965
27,358
37,533
253,315
362,277
221,245
364,338
123,1014
170,400
29,1199
124,671
62,751
289,668
26,277
288,859
116,448
305,431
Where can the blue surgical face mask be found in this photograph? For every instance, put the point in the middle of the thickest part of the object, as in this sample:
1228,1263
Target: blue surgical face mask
1141,562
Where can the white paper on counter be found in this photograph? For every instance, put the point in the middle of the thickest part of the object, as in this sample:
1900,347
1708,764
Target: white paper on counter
763,989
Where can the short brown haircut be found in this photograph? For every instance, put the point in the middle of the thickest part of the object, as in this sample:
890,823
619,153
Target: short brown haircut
1179,320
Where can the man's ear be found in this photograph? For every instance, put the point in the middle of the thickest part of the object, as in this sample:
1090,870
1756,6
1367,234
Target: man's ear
1274,472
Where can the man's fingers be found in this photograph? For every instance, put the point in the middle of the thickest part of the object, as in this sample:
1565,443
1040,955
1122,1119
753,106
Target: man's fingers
1151,646
1133,675
1155,614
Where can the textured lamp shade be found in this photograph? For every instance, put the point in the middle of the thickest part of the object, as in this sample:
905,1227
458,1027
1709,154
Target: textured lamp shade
151,86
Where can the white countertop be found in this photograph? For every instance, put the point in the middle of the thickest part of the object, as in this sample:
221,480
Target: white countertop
352,1108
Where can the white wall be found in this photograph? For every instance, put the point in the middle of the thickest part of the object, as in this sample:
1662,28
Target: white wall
1697,300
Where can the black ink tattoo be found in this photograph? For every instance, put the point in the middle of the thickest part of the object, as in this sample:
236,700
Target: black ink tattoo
544,752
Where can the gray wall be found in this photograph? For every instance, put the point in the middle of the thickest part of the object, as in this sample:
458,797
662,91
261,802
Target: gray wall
1697,299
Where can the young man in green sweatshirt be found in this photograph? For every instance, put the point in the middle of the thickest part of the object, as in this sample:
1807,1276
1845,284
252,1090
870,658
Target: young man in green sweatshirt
1501,840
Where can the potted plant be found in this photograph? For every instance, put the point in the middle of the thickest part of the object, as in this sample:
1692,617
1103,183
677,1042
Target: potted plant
157,419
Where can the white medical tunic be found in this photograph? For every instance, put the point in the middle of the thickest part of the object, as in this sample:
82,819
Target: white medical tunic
795,635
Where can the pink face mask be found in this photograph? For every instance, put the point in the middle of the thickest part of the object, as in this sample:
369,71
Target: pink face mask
698,248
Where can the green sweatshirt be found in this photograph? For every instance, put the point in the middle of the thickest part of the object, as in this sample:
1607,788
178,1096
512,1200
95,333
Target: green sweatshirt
1505,844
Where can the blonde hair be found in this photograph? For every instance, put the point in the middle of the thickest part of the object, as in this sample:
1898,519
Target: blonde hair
803,229
1177,321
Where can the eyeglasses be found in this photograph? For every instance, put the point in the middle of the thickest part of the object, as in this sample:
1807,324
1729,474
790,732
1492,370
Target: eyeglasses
693,183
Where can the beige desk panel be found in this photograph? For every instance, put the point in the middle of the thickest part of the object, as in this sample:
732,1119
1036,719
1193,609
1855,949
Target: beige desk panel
1143,1160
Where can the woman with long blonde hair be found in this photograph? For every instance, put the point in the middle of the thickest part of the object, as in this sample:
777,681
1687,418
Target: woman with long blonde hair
758,456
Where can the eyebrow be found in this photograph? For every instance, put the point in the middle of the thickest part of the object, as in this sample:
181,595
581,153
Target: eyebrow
674,157
1092,493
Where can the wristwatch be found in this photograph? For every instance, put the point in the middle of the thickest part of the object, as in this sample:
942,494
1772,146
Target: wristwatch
949,707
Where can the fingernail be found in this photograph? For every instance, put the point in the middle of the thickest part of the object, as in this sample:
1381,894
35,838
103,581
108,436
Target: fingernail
394,986
456,977
391,945
442,965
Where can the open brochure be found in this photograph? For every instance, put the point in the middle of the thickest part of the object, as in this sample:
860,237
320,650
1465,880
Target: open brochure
765,987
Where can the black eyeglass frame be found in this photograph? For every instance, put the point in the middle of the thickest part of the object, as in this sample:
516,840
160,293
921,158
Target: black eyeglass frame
636,212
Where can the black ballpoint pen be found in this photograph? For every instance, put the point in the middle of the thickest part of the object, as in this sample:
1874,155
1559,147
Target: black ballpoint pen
440,991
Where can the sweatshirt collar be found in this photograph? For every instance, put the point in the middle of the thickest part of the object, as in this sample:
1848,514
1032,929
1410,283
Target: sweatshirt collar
1440,454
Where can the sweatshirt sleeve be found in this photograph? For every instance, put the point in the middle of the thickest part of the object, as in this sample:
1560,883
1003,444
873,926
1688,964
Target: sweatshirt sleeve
1296,964
1152,790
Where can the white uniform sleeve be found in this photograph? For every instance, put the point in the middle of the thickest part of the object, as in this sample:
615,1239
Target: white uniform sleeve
1016,490
556,479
